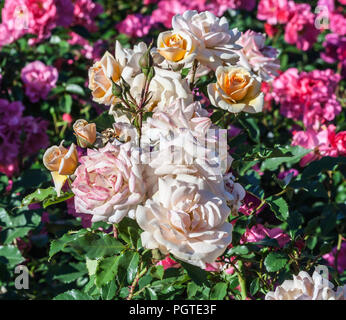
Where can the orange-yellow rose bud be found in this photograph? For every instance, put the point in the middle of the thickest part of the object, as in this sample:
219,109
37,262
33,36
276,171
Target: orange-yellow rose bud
59,159
85,132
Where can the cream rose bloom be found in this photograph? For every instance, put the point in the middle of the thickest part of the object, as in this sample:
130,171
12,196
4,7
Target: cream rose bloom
216,42
236,90
185,219
101,73
304,287
177,47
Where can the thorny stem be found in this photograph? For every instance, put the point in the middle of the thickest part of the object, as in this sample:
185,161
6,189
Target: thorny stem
134,282
242,280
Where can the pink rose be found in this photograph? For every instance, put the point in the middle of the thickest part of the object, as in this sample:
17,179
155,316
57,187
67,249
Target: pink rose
330,257
85,12
340,142
109,183
135,25
168,263
259,232
274,11
38,80
300,29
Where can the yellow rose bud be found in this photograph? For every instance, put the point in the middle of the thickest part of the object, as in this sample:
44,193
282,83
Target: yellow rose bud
236,90
52,157
85,132
69,162
59,159
101,75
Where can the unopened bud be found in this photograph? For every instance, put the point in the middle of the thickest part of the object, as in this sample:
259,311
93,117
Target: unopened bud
116,90
146,61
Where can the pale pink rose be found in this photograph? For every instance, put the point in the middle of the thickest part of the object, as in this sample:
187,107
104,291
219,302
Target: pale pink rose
258,57
109,183
274,11
38,80
168,263
259,232
330,257
300,29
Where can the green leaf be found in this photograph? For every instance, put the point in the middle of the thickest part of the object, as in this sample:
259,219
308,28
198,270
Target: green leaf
254,286
198,275
73,295
91,266
67,238
38,196
238,250
219,291
250,125
54,199
326,163
133,267
104,121
108,291
275,261
75,88
279,206
10,255
294,155
129,231
106,270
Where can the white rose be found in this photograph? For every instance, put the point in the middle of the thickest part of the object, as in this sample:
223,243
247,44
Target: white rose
185,219
216,43
304,287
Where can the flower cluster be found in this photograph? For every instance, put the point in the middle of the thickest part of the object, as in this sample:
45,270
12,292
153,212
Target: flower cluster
40,17
164,163
12,145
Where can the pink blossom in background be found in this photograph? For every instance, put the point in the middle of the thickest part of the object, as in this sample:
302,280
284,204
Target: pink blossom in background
85,218
135,25
76,39
300,29
10,130
168,263
250,203
335,48
9,170
67,118
260,232
282,175
330,257
308,96
36,137
147,2
275,11
85,12
38,80
338,23
270,30
323,143
38,17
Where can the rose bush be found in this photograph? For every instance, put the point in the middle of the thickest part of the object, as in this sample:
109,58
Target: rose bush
173,149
